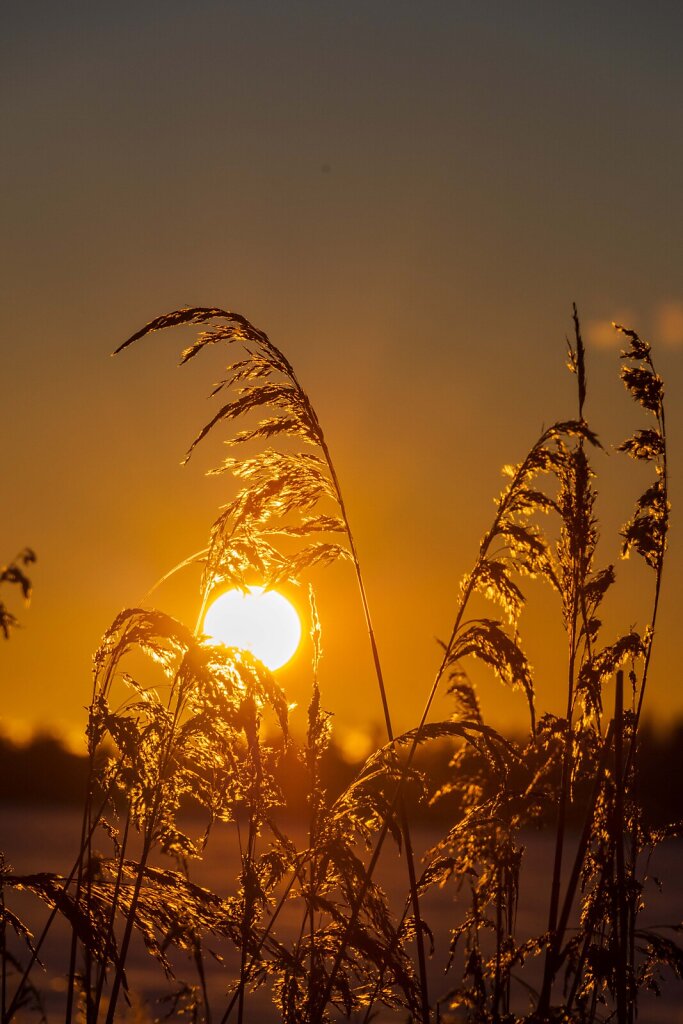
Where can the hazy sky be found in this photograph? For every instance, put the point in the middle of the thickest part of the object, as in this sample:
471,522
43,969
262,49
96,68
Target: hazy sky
407,197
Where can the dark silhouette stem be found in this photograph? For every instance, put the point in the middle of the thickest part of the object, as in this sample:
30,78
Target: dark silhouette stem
128,932
661,422
621,919
3,951
255,955
403,817
109,938
467,593
48,924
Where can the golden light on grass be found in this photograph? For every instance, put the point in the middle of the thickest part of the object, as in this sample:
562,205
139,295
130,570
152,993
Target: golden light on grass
261,621
221,733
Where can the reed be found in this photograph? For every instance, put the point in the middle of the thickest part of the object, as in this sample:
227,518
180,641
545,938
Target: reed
174,719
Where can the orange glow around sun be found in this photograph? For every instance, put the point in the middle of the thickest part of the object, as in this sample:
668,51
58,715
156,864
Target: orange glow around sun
261,621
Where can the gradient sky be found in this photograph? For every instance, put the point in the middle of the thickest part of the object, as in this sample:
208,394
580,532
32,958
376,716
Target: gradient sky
407,197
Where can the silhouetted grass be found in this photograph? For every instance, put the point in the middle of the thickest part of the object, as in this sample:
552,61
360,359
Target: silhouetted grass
44,772
175,721
15,574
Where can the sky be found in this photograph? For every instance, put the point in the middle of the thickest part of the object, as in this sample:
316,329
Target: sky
407,198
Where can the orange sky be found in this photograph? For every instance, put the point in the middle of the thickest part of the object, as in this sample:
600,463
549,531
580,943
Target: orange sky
407,198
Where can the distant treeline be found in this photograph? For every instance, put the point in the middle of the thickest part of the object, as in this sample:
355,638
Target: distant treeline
44,771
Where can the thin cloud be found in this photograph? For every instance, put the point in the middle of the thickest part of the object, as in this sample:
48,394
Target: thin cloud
663,327
669,324
600,333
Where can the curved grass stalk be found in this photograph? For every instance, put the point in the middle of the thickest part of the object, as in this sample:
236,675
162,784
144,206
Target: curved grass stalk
403,817
269,927
356,907
148,842
308,426
647,532
659,510
575,556
87,831
150,630
248,524
380,976
190,560
99,986
506,507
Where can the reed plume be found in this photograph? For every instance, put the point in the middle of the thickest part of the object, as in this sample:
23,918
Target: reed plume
176,721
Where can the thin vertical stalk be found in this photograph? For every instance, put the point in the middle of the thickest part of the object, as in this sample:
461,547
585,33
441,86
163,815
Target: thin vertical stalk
87,830
513,883
550,957
48,924
248,857
199,960
584,840
312,837
109,938
633,898
577,531
3,951
312,970
87,951
358,902
499,942
588,932
246,916
148,842
403,817
355,909
659,569
620,923
380,976
128,931
254,957
86,837
464,601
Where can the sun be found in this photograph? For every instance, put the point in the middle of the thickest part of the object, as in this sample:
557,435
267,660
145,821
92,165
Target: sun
261,621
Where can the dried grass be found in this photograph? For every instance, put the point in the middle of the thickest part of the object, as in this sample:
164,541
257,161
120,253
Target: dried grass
173,719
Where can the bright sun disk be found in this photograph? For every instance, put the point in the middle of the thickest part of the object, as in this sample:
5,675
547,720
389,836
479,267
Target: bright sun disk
261,621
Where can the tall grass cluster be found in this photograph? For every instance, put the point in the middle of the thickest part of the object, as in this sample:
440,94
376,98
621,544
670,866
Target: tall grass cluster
176,721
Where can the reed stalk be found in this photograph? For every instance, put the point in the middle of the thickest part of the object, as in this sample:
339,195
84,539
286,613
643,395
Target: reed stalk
622,942
314,429
347,948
